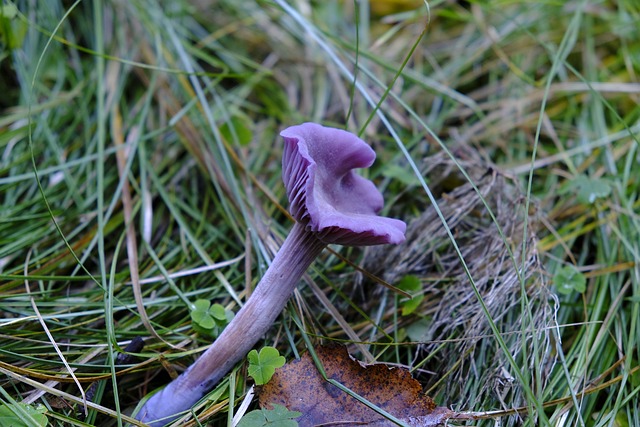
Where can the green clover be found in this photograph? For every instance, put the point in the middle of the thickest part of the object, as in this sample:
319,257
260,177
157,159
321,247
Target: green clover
262,366
21,415
587,190
209,320
278,416
568,279
412,285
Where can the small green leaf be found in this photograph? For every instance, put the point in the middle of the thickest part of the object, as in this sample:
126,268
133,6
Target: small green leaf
404,175
209,320
279,416
568,279
262,366
203,320
202,305
21,415
420,331
587,189
218,313
8,11
238,128
12,27
412,285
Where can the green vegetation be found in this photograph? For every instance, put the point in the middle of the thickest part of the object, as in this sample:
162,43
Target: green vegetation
263,365
278,416
209,319
140,173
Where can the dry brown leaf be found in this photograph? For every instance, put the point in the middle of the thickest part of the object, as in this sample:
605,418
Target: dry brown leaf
299,387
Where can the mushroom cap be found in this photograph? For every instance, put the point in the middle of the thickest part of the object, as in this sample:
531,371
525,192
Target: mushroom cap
326,195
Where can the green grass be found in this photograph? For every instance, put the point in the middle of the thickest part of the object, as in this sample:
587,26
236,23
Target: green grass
125,156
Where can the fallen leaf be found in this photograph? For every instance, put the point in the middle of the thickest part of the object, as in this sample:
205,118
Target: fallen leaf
299,386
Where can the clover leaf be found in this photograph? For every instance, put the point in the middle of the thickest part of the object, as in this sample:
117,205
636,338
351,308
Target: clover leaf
587,189
263,365
568,279
412,285
238,128
21,415
13,28
279,416
209,320
402,174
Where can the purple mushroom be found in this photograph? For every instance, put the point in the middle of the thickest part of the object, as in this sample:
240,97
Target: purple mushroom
331,204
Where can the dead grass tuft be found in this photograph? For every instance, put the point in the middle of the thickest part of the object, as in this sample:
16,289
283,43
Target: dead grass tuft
453,311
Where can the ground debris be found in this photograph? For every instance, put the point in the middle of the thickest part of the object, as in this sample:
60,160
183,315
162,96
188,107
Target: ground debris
450,304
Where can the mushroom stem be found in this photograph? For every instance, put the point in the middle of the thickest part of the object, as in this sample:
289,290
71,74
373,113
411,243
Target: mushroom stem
253,320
